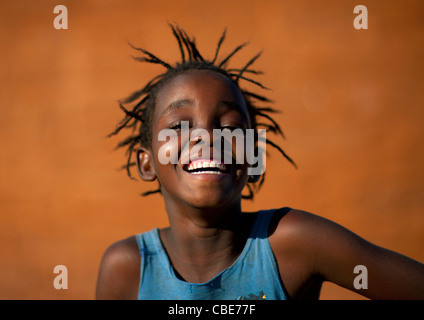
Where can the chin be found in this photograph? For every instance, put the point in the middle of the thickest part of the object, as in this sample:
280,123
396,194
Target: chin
210,200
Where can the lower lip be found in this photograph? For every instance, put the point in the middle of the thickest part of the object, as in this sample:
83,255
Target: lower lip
207,172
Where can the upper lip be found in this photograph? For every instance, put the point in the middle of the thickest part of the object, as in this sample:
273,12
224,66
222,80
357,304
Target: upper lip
206,163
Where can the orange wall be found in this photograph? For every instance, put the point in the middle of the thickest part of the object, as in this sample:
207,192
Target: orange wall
352,103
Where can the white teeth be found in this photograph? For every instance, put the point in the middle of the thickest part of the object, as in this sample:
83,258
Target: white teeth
204,164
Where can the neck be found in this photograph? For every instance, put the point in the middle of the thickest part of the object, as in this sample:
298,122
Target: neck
201,242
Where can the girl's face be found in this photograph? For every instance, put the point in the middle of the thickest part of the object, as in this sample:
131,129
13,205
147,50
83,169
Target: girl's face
206,100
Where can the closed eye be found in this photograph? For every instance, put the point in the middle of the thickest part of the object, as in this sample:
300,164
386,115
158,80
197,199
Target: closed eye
232,127
179,124
175,126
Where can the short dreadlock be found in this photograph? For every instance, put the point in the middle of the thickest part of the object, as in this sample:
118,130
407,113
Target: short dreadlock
138,117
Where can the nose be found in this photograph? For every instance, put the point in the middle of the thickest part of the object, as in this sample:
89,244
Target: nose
217,145
201,136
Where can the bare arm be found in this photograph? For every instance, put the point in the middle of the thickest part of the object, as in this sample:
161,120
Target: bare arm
324,249
119,273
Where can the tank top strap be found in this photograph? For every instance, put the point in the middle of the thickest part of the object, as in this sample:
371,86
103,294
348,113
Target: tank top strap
261,227
149,242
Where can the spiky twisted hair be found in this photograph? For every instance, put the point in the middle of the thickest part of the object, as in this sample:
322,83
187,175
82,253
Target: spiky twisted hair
138,117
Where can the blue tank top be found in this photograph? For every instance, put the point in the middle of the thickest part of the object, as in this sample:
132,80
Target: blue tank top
253,276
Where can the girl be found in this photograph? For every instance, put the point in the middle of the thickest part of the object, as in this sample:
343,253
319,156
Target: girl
213,250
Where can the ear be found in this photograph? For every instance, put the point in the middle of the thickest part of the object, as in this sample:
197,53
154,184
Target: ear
143,162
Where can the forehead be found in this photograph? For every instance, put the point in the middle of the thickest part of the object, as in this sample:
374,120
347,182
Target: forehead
200,86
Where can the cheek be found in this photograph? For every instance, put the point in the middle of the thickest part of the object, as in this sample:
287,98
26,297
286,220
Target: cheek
170,147
235,146
166,152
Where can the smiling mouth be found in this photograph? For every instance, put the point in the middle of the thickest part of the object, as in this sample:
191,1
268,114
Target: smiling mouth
206,166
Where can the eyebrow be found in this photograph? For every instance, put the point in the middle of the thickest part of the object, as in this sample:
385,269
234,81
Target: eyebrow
175,105
232,105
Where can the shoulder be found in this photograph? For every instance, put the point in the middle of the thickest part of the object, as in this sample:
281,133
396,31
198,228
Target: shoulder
119,271
121,252
314,238
310,249
301,226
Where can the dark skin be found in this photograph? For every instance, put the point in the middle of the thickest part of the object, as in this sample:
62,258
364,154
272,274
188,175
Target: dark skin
208,229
